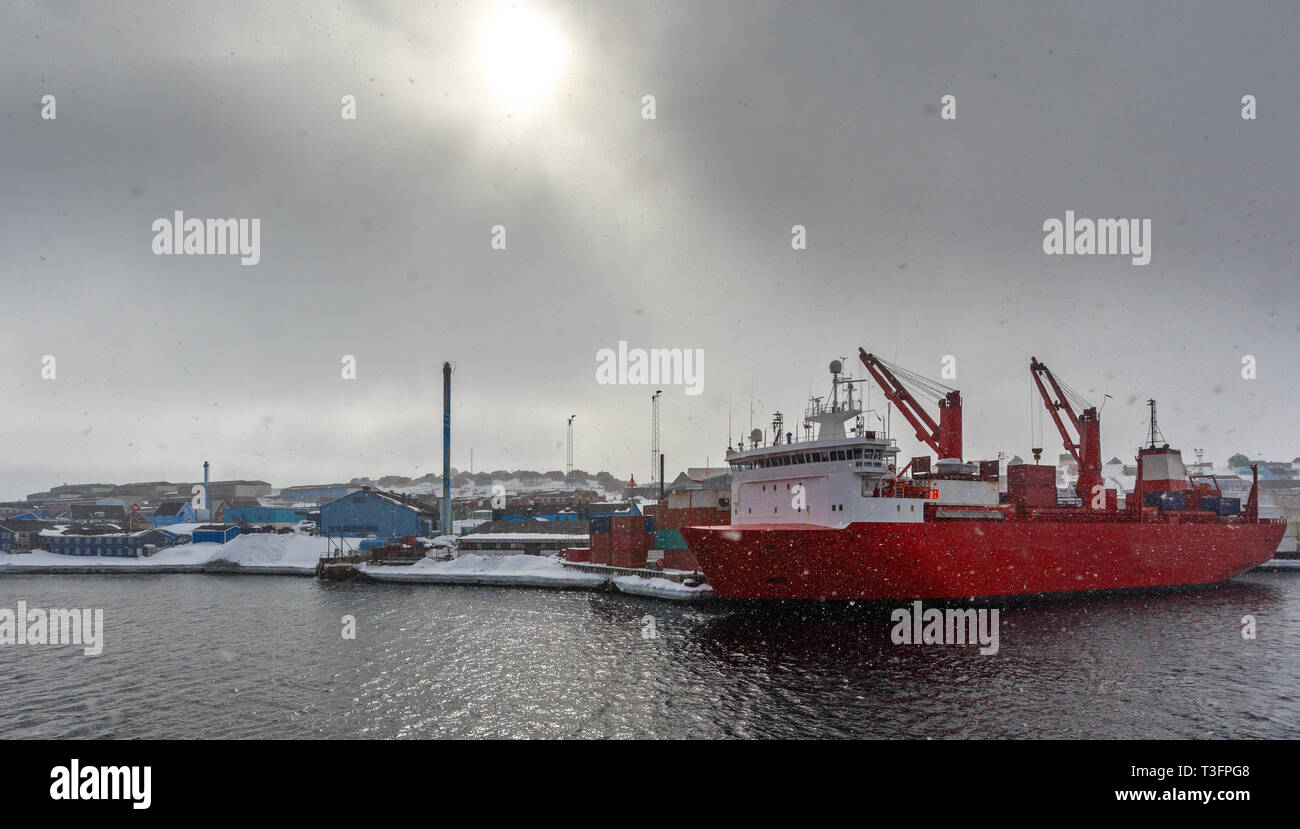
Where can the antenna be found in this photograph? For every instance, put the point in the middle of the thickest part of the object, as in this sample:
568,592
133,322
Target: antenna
654,434
1155,429
729,413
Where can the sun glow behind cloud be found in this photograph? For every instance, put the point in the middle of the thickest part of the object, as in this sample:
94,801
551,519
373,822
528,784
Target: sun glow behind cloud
523,56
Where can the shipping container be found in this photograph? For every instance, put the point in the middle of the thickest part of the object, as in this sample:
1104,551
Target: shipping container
1033,496
624,524
1032,474
1165,500
599,542
599,524
1229,506
669,540
1210,503
629,543
629,558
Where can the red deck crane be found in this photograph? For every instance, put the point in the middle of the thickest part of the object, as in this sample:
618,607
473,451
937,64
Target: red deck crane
1086,450
943,437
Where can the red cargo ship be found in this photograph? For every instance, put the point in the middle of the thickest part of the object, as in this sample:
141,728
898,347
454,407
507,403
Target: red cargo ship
827,517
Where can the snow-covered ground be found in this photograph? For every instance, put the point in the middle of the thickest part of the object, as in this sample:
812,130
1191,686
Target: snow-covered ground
287,553
516,571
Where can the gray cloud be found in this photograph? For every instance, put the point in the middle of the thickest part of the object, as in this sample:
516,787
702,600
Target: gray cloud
924,235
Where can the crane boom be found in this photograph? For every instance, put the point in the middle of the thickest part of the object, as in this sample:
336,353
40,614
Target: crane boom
943,437
1086,450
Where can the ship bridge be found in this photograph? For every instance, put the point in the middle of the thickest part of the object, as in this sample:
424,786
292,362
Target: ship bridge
832,475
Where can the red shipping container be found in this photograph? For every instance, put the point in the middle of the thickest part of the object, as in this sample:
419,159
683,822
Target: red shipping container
701,517
628,559
630,543
600,542
623,524
600,556
1034,496
1032,474
680,560
577,554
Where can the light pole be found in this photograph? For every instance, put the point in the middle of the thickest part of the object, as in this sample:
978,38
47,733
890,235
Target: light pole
568,462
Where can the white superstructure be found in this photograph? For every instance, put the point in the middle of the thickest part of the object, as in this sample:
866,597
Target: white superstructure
835,478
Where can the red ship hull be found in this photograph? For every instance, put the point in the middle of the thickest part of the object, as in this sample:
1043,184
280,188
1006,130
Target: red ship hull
963,559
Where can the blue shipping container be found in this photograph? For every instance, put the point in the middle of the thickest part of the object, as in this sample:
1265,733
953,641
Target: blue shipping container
1210,503
1165,500
600,524
1229,506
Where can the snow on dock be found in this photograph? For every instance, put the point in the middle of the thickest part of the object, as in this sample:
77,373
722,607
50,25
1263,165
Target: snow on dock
534,571
298,555
512,571
264,553
662,588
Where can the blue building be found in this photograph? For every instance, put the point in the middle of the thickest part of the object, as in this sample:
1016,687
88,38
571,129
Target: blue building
101,540
173,512
257,515
382,514
20,534
215,533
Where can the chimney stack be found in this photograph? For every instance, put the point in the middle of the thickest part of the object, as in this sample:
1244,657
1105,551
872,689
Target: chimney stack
446,450
207,495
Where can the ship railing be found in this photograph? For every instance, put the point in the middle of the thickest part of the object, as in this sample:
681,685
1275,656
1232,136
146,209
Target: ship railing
797,439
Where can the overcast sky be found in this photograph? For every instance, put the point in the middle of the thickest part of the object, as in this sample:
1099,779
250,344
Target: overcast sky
924,235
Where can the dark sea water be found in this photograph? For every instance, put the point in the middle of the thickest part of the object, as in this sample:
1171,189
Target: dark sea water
195,656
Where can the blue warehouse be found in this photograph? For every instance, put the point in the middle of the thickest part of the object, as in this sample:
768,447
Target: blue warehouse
258,515
367,511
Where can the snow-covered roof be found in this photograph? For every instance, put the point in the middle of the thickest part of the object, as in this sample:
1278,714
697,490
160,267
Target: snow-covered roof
525,537
98,531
